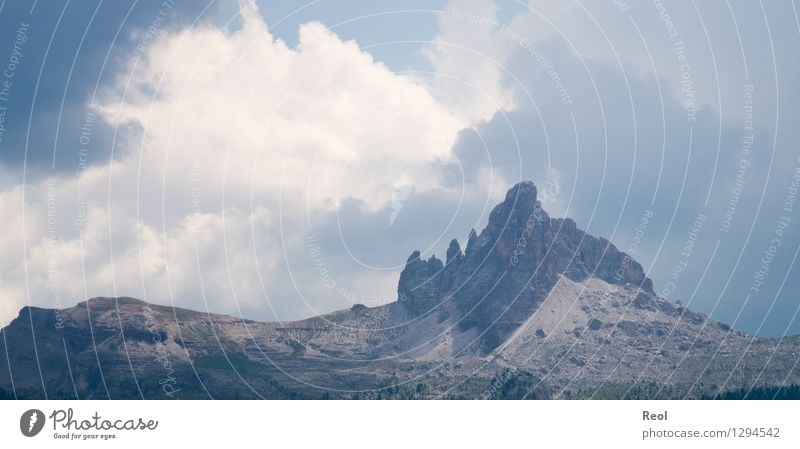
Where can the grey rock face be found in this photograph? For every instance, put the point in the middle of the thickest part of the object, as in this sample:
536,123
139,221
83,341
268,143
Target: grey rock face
509,268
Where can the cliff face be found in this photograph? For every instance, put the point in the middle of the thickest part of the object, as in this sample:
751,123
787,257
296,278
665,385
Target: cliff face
508,269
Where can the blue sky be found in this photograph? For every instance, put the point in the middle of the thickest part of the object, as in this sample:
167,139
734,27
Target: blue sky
284,162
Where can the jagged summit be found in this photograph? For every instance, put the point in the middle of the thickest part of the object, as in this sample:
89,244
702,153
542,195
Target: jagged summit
454,253
519,204
508,269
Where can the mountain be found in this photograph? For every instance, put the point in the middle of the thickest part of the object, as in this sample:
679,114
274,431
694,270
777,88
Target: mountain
533,307
508,269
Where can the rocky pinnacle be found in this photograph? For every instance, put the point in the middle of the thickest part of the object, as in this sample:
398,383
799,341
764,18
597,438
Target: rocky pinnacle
508,269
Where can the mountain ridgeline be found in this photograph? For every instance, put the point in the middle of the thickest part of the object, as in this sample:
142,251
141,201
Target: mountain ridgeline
531,308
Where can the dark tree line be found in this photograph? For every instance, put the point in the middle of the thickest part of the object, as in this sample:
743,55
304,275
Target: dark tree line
789,392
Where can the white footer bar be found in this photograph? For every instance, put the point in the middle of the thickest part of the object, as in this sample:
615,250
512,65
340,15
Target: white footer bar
401,424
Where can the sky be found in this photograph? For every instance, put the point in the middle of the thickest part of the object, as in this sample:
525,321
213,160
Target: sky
276,160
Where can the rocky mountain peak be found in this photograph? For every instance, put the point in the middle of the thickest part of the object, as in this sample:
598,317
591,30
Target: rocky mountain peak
519,204
511,265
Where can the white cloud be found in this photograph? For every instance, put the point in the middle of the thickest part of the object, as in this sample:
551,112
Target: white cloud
324,121
244,139
468,57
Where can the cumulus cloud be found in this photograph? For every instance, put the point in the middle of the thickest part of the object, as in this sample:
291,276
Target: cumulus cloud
244,143
468,58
